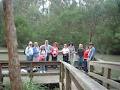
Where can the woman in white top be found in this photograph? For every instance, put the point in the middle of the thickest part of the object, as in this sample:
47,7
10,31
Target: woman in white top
65,52
72,52
29,52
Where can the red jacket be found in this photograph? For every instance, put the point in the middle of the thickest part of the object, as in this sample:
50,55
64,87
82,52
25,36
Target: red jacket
86,54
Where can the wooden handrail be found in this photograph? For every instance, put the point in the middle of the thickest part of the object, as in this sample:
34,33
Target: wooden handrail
106,64
25,63
105,75
31,65
80,79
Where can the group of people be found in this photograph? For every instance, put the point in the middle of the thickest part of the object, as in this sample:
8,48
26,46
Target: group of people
85,55
36,53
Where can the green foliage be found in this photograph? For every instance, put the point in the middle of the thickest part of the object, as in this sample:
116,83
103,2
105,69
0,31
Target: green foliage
65,22
28,86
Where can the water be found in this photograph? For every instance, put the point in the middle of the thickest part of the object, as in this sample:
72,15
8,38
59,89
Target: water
114,58
115,74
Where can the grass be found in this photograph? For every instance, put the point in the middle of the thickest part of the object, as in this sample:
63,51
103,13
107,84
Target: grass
28,86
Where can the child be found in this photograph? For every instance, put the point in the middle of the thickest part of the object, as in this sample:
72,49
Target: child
65,52
42,57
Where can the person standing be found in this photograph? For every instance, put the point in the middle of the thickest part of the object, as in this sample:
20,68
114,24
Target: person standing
66,53
54,52
80,52
29,51
36,51
47,49
42,57
72,52
91,53
85,62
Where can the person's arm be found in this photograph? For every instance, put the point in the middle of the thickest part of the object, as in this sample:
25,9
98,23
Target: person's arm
26,51
73,49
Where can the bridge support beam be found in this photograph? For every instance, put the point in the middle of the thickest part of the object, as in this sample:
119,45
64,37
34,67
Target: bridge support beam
68,80
107,74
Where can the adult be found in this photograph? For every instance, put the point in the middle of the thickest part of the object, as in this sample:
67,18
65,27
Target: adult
36,51
91,53
65,52
85,62
72,52
54,51
47,49
80,52
29,51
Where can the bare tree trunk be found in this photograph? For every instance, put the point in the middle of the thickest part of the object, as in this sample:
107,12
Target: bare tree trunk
11,40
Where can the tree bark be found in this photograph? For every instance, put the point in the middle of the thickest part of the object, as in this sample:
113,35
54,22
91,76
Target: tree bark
11,40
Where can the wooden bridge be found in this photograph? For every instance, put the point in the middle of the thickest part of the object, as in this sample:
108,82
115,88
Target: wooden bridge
70,78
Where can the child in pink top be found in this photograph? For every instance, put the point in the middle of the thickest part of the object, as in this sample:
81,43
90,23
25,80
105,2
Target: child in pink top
42,57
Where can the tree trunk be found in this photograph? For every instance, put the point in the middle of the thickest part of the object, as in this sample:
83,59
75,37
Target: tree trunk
11,40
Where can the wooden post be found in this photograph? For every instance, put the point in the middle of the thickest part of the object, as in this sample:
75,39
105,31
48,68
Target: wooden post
11,40
31,72
62,76
107,74
90,67
68,80
1,78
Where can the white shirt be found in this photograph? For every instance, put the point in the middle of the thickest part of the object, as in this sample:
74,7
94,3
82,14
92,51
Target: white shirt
29,51
65,50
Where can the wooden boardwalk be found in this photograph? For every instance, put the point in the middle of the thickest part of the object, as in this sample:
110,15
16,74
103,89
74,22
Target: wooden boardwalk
51,76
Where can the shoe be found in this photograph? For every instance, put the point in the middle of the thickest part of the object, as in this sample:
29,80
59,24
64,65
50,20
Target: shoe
40,71
35,70
44,71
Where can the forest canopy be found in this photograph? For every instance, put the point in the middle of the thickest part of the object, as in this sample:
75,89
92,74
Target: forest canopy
64,21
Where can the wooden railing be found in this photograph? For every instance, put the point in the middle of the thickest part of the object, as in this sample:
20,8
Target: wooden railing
30,65
70,77
74,79
104,75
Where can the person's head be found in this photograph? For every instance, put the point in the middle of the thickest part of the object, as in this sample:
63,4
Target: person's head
30,43
86,47
46,42
36,44
81,46
55,44
43,48
91,45
71,44
65,45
